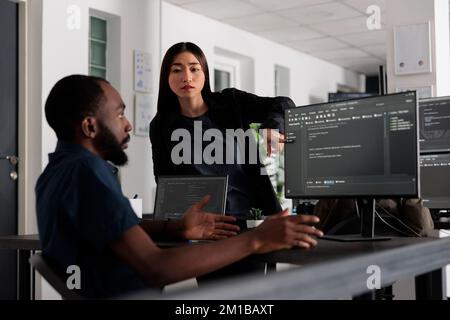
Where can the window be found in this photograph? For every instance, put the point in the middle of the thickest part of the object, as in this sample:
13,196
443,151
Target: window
233,70
222,79
105,46
226,72
98,46
282,81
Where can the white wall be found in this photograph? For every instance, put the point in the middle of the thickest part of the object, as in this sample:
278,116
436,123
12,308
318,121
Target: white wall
309,76
419,11
65,52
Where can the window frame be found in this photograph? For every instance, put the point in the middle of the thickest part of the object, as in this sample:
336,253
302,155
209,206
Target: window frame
104,42
229,65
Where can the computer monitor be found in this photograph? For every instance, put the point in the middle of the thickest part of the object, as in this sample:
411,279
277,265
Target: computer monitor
365,148
343,96
175,194
434,116
435,181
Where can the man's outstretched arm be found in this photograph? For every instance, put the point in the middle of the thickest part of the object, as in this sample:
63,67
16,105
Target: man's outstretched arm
160,267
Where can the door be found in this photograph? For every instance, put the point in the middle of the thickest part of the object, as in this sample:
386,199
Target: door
8,143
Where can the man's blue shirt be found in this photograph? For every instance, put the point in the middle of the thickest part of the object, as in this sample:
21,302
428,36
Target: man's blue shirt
81,210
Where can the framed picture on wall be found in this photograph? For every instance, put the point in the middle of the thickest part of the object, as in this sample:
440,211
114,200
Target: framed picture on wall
142,114
142,71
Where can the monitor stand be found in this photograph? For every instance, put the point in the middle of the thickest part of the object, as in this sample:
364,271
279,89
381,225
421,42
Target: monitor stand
367,216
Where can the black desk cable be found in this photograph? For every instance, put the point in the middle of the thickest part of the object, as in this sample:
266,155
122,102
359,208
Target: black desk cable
387,223
396,218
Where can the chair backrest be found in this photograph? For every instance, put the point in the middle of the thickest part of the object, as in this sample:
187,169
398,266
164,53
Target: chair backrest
350,225
53,278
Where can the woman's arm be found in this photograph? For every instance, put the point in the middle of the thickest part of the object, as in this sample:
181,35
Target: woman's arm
265,110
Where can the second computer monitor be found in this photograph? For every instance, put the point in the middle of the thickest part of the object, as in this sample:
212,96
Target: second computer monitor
435,181
434,125
360,148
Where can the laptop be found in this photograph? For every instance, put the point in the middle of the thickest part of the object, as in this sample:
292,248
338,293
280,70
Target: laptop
175,194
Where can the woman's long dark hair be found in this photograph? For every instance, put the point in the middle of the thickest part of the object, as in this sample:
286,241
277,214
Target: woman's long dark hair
167,99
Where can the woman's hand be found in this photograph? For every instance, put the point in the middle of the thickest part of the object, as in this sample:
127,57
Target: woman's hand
200,225
274,141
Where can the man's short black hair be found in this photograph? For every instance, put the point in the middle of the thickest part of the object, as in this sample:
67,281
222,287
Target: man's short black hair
71,100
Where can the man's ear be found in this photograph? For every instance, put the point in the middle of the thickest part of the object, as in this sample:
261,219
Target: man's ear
89,127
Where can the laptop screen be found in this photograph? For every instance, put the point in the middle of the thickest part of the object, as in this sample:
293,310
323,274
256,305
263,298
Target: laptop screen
175,194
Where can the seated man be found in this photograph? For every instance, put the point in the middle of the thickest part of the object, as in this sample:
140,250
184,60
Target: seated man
415,219
84,219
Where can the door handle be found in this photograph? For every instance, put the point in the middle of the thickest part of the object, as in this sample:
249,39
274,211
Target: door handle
14,176
14,160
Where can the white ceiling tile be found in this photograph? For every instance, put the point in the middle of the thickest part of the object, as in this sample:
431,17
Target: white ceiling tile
223,9
333,30
377,50
260,22
320,13
342,27
350,53
375,37
291,34
317,45
274,5
362,5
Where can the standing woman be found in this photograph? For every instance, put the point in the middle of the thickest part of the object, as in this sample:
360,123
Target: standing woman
185,97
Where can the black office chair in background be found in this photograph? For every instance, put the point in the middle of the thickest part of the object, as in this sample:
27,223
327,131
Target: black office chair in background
53,278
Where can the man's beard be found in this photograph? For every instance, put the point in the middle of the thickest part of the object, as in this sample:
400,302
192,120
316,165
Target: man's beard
110,147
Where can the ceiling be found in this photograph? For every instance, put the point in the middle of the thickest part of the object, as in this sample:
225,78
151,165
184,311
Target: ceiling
332,30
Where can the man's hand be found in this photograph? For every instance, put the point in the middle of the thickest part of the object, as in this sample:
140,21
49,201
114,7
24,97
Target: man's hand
274,141
281,231
200,225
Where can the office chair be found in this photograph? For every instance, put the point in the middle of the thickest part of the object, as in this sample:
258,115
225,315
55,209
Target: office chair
53,277
350,225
